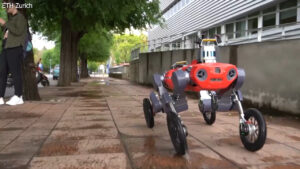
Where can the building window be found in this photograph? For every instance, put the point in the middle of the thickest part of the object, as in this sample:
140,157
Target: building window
229,30
269,20
288,4
255,14
269,17
288,11
288,16
219,30
212,32
270,10
205,34
240,29
253,25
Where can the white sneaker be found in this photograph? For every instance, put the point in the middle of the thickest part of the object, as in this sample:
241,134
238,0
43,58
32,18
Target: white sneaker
15,100
2,101
21,100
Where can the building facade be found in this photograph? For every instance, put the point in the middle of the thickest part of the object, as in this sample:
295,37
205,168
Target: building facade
237,22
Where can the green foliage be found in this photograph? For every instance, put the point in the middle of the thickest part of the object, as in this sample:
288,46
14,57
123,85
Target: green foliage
3,15
124,44
95,45
46,16
93,66
53,55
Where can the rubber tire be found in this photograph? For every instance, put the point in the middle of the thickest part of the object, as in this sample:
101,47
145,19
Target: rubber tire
148,113
176,132
210,120
44,84
259,143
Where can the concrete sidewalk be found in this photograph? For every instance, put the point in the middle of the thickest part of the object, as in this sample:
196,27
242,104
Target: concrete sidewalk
100,124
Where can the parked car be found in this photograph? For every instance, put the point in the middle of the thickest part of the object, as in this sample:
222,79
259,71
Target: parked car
56,72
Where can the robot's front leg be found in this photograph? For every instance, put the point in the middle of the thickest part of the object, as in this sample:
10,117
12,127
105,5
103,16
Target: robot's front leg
253,130
237,99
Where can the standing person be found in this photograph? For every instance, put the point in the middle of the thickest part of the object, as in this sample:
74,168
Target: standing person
39,69
12,55
40,65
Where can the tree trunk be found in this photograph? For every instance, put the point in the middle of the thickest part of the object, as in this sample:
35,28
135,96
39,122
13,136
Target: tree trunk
68,54
75,41
83,67
30,89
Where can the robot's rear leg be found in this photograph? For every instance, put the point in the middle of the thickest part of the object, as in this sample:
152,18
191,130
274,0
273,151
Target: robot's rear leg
177,130
208,106
153,105
175,104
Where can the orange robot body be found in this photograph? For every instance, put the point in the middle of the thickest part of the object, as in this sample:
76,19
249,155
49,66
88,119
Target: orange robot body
205,76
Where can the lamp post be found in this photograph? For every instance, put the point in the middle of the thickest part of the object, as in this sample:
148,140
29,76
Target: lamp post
50,65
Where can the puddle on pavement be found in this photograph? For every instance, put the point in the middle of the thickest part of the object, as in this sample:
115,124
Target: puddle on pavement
153,152
94,126
94,105
85,94
13,164
296,138
87,114
70,94
55,100
103,82
236,141
17,115
107,149
231,113
284,166
94,109
11,129
65,89
59,148
232,141
273,158
100,119
66,138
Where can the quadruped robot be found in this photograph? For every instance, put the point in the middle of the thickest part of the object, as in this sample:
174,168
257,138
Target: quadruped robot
218,85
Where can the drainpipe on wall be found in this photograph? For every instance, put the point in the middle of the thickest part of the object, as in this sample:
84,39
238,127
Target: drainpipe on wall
260,25
298,12
223,33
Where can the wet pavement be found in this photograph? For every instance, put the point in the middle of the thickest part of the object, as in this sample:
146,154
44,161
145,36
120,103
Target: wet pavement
100,124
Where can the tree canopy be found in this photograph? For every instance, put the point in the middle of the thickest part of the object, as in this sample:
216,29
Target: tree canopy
73,18
95,45
124,44
47,16
50,54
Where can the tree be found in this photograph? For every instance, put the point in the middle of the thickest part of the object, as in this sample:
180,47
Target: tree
4,16
50,56
73,18
94,46
93,66
124,44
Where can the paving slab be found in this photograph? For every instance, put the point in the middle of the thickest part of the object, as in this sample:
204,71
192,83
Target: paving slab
77,147
99,123
91,161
